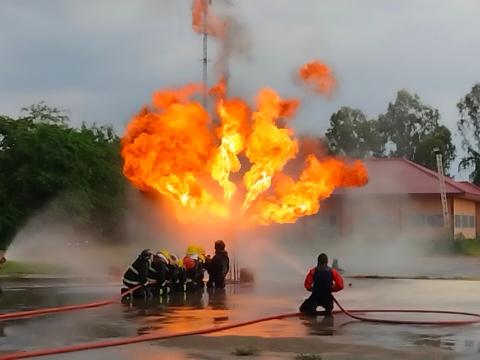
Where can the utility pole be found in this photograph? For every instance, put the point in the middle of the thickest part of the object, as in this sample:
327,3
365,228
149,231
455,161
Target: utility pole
206,4
234,272
443,190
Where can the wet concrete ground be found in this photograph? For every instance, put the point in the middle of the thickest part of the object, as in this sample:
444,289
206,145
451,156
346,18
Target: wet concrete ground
344,339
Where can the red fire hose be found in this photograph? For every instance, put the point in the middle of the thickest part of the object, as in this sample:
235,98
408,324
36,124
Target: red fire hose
350,313
38,312
156,336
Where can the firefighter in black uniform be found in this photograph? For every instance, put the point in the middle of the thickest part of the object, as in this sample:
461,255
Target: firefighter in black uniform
178,275
218,266
137,274
157,274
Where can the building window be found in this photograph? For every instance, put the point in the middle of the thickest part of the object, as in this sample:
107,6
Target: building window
417,220
464,221
377,220
431,220
435,220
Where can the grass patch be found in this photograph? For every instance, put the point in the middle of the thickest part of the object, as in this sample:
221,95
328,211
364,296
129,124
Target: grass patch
245,351
308,357
25,268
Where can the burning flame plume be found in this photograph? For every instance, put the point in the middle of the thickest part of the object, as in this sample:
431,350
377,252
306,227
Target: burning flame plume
173,148
165,150
318,76
234,115
317,182
214,26
269,147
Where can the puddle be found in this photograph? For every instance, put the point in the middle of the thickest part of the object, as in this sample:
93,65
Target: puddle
239,303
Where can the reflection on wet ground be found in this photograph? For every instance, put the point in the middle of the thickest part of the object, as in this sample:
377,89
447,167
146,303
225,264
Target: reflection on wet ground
182,312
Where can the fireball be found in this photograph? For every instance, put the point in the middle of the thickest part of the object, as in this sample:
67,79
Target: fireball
230,166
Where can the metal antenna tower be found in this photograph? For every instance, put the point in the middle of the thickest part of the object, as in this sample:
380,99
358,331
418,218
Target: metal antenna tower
443,189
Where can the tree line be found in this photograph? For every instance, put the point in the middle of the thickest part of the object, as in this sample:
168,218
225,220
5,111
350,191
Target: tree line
410,129
77,171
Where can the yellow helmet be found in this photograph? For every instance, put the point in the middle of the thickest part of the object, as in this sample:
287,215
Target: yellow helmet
191,250
165,253
201,251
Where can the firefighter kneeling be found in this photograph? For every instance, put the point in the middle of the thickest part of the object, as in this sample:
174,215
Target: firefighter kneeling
136,275
163,272
175,276
321,281
193,263
157,275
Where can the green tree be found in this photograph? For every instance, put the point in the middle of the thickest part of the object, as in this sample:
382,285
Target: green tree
42,113
43,161
412,130
469,128
351,134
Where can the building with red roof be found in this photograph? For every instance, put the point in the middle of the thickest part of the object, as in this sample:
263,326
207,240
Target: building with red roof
401,197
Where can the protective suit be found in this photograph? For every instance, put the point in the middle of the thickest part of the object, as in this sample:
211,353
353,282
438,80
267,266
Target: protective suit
321,281
193,269
218,266
137,274
157,274
177,274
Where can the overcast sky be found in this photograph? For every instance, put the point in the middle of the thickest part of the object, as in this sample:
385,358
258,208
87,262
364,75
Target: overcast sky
101,59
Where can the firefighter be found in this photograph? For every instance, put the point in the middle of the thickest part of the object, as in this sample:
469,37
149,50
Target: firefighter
321,281
201,270
177,273
218,266
201,254
170,274
157,274
137,273
193,263
192,266
190,261
336,266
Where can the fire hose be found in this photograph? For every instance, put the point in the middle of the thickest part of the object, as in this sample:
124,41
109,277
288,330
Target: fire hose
38,312
156,336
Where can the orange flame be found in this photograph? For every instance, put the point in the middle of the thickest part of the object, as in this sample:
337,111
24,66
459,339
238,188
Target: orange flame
214,26
171,149
165,149
219,90
318,76
317,182
234,115
268,147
